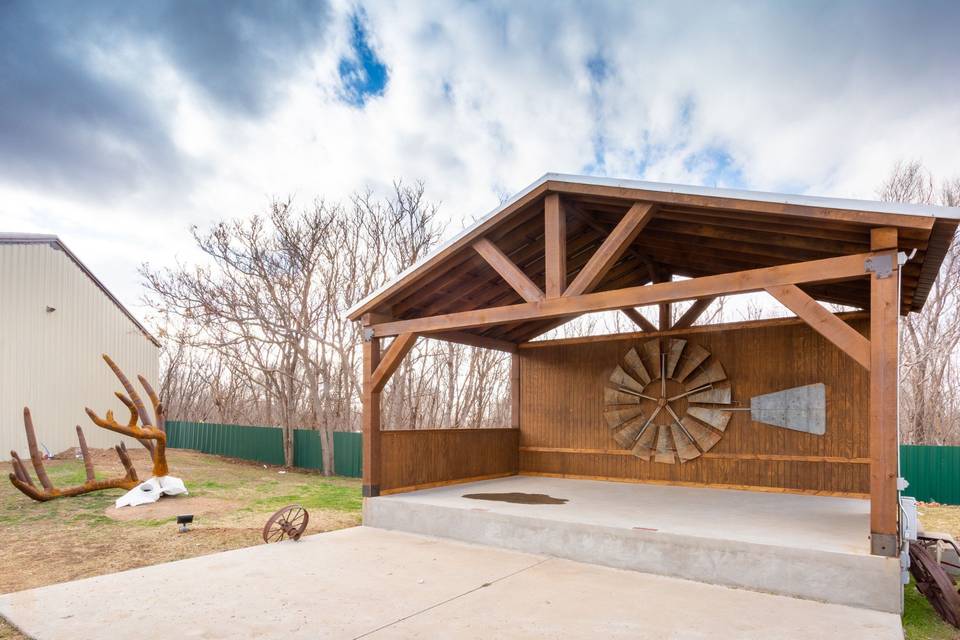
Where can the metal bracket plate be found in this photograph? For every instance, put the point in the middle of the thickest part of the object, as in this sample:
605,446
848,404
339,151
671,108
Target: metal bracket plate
881,265
367,334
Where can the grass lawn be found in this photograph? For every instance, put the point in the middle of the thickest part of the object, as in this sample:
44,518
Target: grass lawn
72,538
920,621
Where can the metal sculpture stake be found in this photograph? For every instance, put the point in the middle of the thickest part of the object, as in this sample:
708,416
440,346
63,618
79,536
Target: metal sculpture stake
150,434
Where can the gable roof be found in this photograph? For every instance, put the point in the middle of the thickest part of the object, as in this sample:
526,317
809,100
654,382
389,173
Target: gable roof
56,243
696,231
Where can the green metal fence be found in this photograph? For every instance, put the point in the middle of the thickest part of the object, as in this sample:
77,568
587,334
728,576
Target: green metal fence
933,472
264,444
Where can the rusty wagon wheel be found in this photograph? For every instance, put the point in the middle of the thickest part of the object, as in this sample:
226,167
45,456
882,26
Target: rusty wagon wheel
934,583
289,522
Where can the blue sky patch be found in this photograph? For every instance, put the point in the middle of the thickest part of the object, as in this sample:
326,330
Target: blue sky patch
717,166
599,71
362,73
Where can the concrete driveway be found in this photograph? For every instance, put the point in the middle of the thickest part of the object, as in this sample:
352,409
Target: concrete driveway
372,583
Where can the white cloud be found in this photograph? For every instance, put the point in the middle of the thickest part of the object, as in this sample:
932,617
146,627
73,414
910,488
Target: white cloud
484,98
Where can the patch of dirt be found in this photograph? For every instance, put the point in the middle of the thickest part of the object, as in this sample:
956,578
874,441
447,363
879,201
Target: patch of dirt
517,498
169,507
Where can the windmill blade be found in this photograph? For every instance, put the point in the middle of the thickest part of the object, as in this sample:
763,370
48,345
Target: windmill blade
621,378
628,432
704,436
645,444
665,452
693,356
712,372
674,351
716,418
636,366
612,396
616,417
717,394
651,355
799,409
686,450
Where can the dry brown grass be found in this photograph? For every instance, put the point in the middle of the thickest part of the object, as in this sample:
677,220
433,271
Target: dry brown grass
940,518
71,538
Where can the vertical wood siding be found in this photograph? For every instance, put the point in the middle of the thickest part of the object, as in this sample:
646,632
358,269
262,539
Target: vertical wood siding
51,361
562,403
419,457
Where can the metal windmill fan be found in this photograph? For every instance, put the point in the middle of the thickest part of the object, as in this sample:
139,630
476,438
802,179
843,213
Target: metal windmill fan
670,401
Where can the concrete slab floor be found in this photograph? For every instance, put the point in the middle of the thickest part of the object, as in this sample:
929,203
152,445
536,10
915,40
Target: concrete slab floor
822,523
371,583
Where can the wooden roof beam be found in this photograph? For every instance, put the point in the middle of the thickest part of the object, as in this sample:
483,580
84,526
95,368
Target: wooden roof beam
823,322
862,217
691,314
639,319
391,360
613,247
474,340
510,272
826,270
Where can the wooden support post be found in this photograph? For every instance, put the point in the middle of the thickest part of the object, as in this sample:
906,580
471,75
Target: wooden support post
665,319
371,419
555,245
884,364
515,391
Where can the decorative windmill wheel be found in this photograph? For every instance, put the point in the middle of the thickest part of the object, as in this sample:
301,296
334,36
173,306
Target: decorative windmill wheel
670,401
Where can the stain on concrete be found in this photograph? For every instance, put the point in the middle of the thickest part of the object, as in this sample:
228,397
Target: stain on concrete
517,498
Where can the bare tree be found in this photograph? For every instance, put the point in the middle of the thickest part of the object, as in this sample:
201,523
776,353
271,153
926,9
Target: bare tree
258,333
930,396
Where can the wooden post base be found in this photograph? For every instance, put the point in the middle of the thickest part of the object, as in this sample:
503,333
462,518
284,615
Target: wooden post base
371,490
884,544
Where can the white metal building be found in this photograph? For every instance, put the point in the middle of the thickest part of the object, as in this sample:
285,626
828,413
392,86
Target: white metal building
56,319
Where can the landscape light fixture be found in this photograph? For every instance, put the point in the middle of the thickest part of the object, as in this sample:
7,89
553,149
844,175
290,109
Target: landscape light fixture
183,521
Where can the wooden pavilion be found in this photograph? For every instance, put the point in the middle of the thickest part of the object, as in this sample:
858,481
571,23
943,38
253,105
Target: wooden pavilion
581,408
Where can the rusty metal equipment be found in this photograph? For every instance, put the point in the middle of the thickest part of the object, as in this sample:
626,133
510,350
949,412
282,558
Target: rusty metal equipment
150,433
289,522
933,581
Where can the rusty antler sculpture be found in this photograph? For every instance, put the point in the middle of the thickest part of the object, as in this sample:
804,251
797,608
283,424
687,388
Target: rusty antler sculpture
151,435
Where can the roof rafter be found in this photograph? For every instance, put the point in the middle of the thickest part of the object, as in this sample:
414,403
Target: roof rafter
826,270
612,248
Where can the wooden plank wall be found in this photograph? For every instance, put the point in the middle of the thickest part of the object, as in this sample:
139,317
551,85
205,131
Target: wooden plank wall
562,431
421,458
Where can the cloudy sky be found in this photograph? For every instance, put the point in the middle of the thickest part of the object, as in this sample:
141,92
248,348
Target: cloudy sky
123,123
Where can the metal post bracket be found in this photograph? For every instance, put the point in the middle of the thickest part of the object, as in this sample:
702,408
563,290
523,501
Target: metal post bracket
881,265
